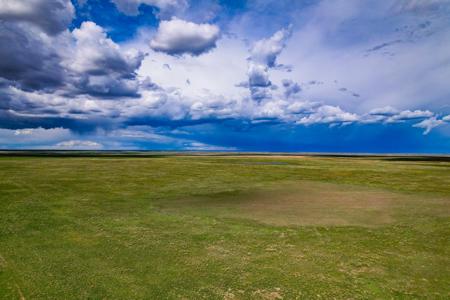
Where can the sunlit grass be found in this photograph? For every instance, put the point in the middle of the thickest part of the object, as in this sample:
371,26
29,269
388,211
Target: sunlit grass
192,227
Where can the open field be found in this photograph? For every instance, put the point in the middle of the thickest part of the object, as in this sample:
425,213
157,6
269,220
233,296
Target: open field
79,226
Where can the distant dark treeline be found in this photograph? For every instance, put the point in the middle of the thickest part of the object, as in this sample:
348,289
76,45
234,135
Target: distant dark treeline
161,154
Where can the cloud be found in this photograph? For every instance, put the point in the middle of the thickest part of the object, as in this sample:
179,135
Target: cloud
100,66
33,38
78,145
384,111
389,114
290,87
258,75
84,61
26,131
31,137
383,45
263,56
51,16
28,58
325,46
197,146
85,80
429,124
177,37
327,114
419,5
166,8
410,115
136,136
265,51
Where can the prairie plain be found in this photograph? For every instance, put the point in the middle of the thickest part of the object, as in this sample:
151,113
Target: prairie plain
223,226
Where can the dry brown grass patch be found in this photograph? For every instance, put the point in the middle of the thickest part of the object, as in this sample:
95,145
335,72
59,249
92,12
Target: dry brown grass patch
313,203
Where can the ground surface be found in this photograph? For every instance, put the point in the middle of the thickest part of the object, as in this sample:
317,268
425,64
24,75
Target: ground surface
224,227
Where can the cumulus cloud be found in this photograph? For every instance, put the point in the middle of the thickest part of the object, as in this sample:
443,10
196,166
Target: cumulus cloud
52,16
33,35
258,75
28,58
383,111
84,61
265,51
327,114
166,8
389,114
263,56
177,37
410,115
100,65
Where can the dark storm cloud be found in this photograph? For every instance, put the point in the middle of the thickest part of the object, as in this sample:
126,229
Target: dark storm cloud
166,8
82,62
51,16
28,59
10,120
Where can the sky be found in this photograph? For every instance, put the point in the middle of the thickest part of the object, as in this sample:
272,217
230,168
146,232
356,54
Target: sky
214,75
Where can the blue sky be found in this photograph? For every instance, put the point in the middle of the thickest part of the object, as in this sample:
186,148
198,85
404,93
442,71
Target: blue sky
308,76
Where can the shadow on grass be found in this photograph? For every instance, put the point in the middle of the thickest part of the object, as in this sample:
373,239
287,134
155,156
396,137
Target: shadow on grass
410,158
419,158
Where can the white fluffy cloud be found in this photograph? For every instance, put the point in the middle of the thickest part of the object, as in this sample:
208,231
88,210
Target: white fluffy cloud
263,56
78,145
102,67
196,146
265,51
329,115
429,124
383,111
177,37
410,115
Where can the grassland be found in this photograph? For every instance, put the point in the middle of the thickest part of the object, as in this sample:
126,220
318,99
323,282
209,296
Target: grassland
224,227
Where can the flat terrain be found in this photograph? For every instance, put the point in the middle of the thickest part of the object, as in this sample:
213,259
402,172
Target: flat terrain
86,226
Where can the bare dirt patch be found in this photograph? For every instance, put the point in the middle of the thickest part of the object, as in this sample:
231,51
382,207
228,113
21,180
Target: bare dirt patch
314,203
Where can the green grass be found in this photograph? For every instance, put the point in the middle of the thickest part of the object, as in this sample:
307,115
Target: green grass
191,227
